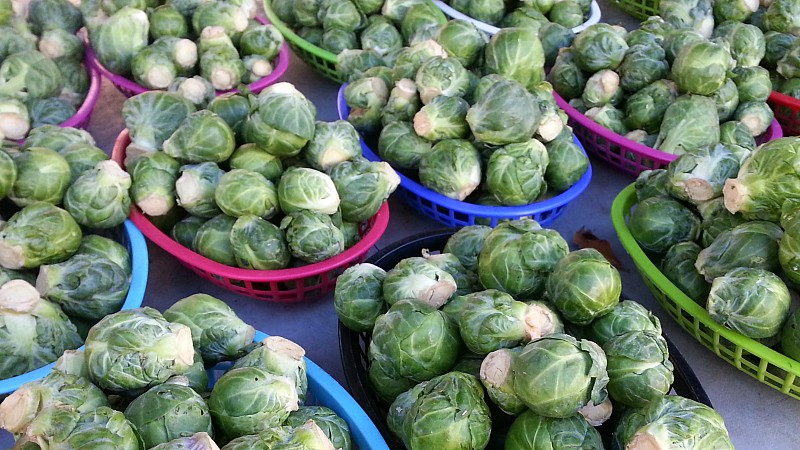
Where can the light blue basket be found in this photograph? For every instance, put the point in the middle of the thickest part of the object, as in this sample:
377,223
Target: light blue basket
456,213
131,237
323,390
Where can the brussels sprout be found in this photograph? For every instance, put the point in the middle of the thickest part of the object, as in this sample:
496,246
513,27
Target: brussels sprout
441,76
443,118
243,191
567,164
531,430
678,266
256,244
462,40
62,426
381,37
100,247
789,64
716,219
497,376
254,158
16,117
197,441
609,117
307,189
726,99
642,65
641,137
504,114
736,133
222,67
639,369
196,89
334,427
119,38
700,174
220,14
465,280
257,67
411,58
358,298
401,146
567,78
354,62
700,67
213,240
642,37
788,245
789,336
566,13
184,231
8,173
305,12
675,40
195,189
47,111
417,278
515,173
689,14
782,16
333,143
738,10
535,250
264,440
342,14
311,236
264,400
166,20
38,234
99,197
602,88
757,116
583,286
44,15
263,40
153,183
153,68
42,175
151,351
626,316
283,122
48,332
691,121
658,223
775,47
752,301
788,87
452,168
58,43
751,244
212,37
233,108
152,117
466,244
517,54
403,103
554,37
363,186
557,375
599,47
747,44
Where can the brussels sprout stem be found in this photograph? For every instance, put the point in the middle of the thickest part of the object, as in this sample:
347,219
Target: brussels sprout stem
185,346
261,68
185,54
280,345
429,93
72,362
596,415
735,192
18,410
158,77
154,205
644,441
406,88
538,321
19,296
496,368
696,189
188,189
193,90
223,78
550,128
51,48
203,442
11,256
753,122
14,126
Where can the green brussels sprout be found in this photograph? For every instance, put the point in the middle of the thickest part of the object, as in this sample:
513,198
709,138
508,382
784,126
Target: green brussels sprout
624,317
599,47
441,76
737,10
751,245
279,356
99,198
263,401
411,58
334,427
401,146
788,245
257,244
567,164
220,14
363,186
100,247
153,183
241,191
198,441
358,297
263,40
420,23
534,250
354,62
151,351
213,240
789,64
678,266
700,174
583,285
531,430
403,103
46,15
776,45
166,20
657,26
341,14
554,37
747,44
311,236
789,336
788,87
196,89
59,43
333,143
691,121
517,54
782,16
515,173
283,122
526,17
8,173
420,279
652,183
42,176
726,99
504,114
17,117
736,133
212,37
451,168
567,78
602,88
608,117
752,301
466,245
658,223
757,116
62,426
254,158
462,40
442,118
566,13
698,15
716,219
222,67
257,67
675,40
642,37
264,440
195,189
152,117
153,68
496,373
13,40
487,11
40,233
557,375
306,12
233,108
184,231
639,369
169,411
385,380
700,67
381,37
400,406
465,280
642,65
48,332
48,111
119,38
307,189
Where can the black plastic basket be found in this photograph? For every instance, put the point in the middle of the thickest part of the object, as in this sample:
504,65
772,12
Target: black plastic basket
353,345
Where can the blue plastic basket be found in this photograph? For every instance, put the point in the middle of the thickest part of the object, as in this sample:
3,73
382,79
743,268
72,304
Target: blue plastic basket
456,213
323,390
131,237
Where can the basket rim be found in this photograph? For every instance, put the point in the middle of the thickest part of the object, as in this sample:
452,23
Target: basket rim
785,100
134,299
620,208
193,259
594,17
774,131
470,208
125,83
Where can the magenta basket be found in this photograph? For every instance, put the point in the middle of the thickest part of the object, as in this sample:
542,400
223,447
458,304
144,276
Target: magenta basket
456,213
624,154
283,285
130,88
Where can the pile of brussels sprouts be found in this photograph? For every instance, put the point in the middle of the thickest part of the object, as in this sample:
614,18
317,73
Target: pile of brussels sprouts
566,14
489,316
252,182
496,140
723,224
674,83
141,383
195,48
42,77
57,279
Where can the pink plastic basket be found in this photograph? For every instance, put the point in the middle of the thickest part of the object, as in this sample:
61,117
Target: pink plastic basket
786,108
626,155
284,285
130,88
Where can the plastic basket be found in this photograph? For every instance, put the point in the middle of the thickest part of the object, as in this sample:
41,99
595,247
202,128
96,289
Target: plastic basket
594,17
786,108
753,358
320,59
129,88
353,345
133,239
456,213
283,285
624,154
641,9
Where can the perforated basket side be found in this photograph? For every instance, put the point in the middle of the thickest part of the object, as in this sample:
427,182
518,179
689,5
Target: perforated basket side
786,110
641,9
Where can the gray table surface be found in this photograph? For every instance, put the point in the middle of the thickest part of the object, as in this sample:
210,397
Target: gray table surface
757,416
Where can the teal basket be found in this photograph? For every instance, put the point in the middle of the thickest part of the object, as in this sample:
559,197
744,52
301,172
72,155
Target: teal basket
132,238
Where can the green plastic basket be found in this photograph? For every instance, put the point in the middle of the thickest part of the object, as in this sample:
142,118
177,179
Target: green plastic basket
641,9
753,358
321,60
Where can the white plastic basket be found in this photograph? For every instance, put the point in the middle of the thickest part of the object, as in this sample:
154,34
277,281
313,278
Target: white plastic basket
594,17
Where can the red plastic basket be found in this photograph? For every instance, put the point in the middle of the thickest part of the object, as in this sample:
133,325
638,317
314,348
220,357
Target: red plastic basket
626,155
284,285
786,109
130,88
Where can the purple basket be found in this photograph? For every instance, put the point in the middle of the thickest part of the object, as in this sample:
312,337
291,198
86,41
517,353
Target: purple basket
456,213
624,154
130,88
